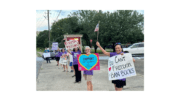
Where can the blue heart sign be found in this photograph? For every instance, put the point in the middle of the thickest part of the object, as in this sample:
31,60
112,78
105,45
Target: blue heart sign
88,62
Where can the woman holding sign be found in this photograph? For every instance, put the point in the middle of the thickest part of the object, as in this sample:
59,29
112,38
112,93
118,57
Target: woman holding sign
75,52
64,59
118,84
88,74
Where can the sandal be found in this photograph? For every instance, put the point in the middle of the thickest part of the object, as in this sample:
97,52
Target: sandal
64,71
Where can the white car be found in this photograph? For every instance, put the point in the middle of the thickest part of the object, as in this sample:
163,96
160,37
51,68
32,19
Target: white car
136,48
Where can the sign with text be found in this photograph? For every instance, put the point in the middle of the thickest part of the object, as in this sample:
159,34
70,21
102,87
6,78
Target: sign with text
46,55
121,66
54,45
88,62
71,44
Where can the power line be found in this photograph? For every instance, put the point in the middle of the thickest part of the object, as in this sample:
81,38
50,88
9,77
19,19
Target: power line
42,22
58,14
40,18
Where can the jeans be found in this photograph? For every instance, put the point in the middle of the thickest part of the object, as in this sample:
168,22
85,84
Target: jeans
47,59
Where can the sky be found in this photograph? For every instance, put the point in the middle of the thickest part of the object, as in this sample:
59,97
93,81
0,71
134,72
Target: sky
42,22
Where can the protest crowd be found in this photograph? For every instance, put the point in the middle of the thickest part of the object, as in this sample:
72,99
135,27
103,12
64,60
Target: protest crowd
71,58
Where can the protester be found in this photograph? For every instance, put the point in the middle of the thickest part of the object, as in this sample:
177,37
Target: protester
47,58
88,74
75,52
118,84
58,56
71,62
64,58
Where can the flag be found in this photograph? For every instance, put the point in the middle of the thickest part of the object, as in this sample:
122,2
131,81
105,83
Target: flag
97,28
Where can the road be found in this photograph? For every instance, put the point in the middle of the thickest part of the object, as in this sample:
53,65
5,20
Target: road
53,79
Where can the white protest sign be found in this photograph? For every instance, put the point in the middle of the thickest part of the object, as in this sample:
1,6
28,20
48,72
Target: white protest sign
71,44
121,66
46,55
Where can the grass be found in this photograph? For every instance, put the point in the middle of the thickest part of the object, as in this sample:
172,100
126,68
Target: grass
39,55
40,50
100,52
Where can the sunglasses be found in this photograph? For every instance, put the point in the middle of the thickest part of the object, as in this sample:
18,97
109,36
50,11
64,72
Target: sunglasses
118,43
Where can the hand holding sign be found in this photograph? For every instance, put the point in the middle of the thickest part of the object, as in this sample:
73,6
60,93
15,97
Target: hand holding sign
88,62
121,66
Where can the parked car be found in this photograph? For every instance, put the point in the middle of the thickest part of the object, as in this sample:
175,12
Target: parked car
136,48
52,54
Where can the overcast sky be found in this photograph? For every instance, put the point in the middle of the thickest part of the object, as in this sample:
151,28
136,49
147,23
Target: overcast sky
42,23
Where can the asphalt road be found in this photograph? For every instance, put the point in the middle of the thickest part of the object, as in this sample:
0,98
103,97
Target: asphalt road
53,79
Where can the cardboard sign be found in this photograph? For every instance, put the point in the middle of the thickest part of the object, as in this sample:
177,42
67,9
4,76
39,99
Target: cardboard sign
46,55
54,45
88,62
71,44
121,66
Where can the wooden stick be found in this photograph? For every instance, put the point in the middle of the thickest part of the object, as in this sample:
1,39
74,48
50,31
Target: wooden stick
98,32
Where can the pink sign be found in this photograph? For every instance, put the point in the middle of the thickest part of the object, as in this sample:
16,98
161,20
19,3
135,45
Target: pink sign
88,62
71,44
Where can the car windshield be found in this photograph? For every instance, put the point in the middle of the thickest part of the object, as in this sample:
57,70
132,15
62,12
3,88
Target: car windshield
129,46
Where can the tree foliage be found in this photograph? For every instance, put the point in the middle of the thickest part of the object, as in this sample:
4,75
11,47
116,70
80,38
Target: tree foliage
123,26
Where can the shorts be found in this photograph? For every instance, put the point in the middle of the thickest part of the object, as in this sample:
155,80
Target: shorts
119,83
57,58
88,77
64,62
70,64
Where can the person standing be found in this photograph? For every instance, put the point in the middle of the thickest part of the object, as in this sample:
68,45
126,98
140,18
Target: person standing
75,52
118,84
71,62
47,58
88,74
58,56
64,59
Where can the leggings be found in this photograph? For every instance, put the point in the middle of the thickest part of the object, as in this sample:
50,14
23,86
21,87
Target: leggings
77,73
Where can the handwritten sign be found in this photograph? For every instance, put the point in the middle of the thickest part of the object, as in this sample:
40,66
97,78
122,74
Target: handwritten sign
54,45
46,55
121,66
88,62
71,44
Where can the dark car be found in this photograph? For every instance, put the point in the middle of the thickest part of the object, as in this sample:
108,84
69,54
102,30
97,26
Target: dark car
52,54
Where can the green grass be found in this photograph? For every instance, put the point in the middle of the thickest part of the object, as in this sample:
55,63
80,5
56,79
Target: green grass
40,50
39,55
100,52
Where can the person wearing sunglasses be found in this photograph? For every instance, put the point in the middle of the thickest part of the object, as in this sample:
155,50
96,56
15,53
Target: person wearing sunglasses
118,84
88,74
75,52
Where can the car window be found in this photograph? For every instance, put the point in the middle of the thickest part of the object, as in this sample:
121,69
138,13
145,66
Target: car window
141,45
134,46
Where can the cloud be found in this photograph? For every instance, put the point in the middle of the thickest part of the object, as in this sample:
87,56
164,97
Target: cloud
42,23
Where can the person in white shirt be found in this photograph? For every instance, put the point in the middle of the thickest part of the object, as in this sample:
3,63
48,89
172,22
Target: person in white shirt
71,62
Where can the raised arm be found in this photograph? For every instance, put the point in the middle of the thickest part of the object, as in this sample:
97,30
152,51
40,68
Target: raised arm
104,51
69,51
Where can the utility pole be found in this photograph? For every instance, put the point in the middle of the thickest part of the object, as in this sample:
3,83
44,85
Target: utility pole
48,27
